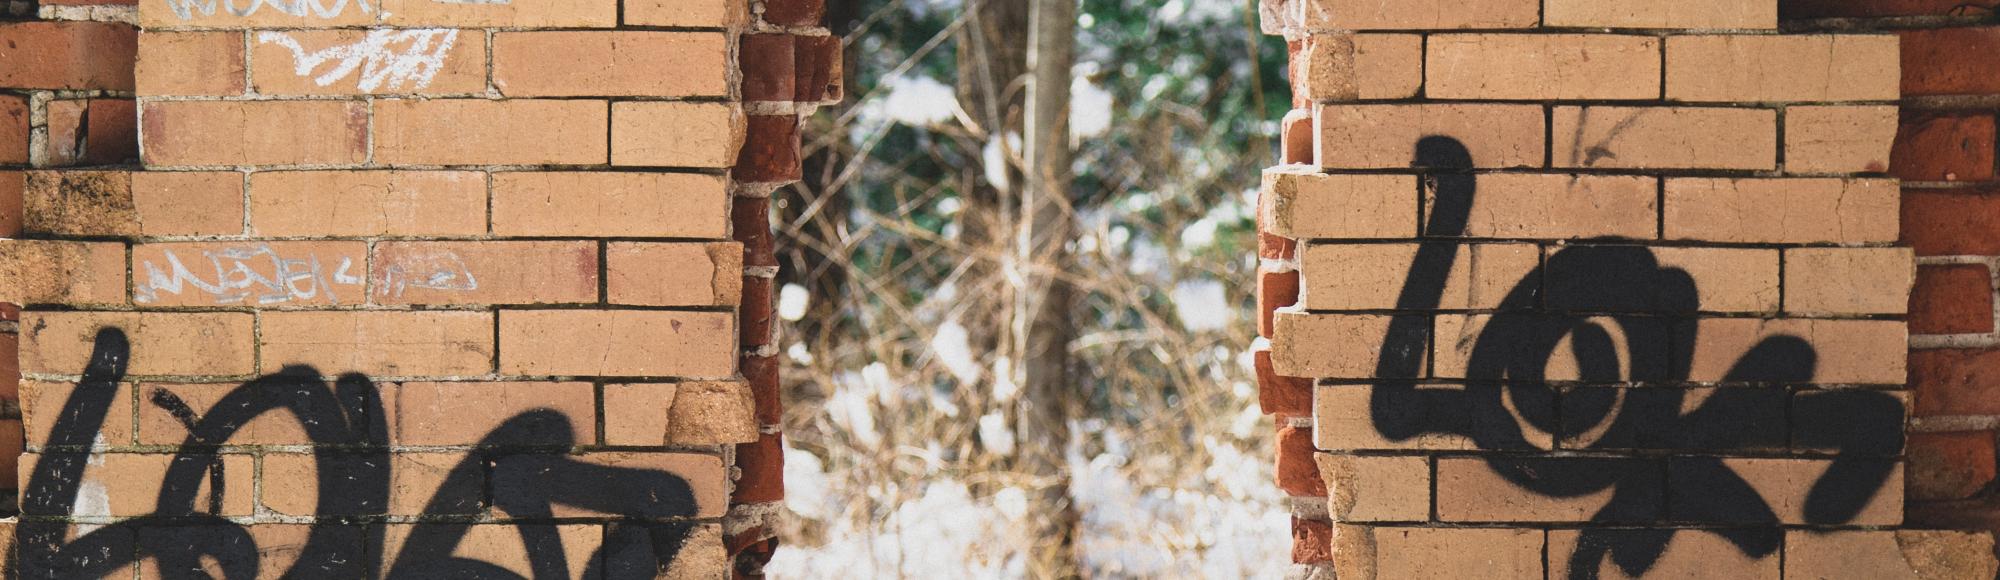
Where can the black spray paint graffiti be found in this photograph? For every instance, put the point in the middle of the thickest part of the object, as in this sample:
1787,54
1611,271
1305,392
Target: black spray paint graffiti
345,422
1507,393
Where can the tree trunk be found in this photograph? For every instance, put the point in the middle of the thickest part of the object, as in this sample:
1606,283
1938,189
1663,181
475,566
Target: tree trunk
1045,310
992,63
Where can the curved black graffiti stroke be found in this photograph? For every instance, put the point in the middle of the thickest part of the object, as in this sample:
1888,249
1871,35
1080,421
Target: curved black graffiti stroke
1507,393
346,424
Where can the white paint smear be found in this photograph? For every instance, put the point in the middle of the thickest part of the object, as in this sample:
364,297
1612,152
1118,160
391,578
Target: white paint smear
385,58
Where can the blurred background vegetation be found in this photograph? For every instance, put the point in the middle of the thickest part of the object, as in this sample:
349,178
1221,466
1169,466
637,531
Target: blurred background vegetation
905,280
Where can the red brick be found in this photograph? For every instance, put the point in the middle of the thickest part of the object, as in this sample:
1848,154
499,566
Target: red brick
750,219
1951,61
763,465
770,151
1298,472
62,272
1280,395
794,12
10,367
190,63
113,132
819,66
1298,136
1945,222
1798,9
1274,247
68,55
490,272
1274,290
13,185
64,146
229,133
1952,299
13,130
762,374
759,316
1931,147
1312,541
769,64
1955,381
1948,466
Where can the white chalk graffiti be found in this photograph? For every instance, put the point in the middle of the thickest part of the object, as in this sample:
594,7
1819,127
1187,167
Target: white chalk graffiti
391,57
433,271
237,278
187,9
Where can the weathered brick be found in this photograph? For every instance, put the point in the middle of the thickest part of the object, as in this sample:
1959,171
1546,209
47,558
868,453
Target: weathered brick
1950,61
770,151
1299,202
392,13
763,470
1275,289
132,483
1460,339
163,343
62,272
510,547
622,343
67,55
467,413
1955,381
1660,14
1839,139
1782,211
63,146
1733,419
689,413
192,203
611,63
1312,541
1297,471
230,133
1934,147
337,550
1471,489
307,62
1950,465
1790,67
1850,422
704,274
1331,345
262,274
42,407
1558,206
1848,280
686,13
1665,138
1385,136
758,322
1951,221
1542,66
1922,554
387,344
14,128
652,205
1341,66
1952,299
159,423
190,63
493,272
708,134
1368,488
770,67
367,203
1457,417
1694,491
1295,134
490,132
120,203
1368,276
702,478
761,372
1687,553
750,224
1847,351
419,483
1419,14
794,12
1277,394
110,131
1801,9
1725,279
1382,553
820,69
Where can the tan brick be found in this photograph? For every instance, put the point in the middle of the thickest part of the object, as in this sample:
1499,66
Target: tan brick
1364,488
1848,351
1474,489
1542,66
1783,484
1460,336
653,205
78,203
232,133
130,483
62,272
1661,14
416,479
1344,420
611,64
258,274
1790,67
1665,138
1849,280
1300,202
1419,14
501,545
163,343
159,426
1369,276
392,13
439,413
1782,211
686,13
519,477
1839,139
490,132
1690,553
1328,345
1885,554
338,549
190,63
1724,279
1379,553
704,274
1559,206
623,343
704,134
1385,136
311,62
494,272
197,203
691,413
386,344
1348,66
368,203
42,406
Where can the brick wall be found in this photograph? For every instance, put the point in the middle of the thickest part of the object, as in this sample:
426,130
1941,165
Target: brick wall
1590,288
402,287
1944,154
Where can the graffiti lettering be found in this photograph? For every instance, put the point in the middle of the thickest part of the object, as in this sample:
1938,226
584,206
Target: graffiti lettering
243,274
384,58
428,270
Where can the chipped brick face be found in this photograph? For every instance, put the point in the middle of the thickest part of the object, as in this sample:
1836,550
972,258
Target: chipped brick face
396,289
1590,288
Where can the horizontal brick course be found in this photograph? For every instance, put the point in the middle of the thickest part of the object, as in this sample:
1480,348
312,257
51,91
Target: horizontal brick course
623,343
1782,211
1665,138
1381,136
1542,66
490,132
611,63
1766,68
231,133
